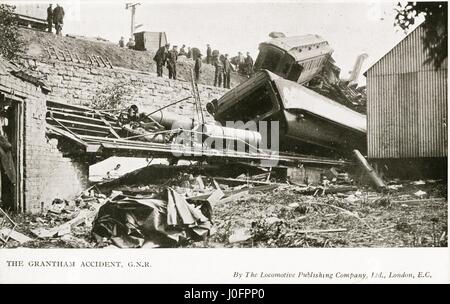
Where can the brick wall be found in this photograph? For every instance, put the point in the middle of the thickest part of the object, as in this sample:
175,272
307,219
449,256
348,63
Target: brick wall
83,84
47,173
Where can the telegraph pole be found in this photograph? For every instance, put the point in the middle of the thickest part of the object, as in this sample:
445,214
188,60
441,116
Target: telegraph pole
132,6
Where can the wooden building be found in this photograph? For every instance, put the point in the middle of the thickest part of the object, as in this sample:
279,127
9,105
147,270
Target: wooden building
407,110
149,41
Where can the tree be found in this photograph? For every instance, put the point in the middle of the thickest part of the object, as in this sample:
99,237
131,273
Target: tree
10,44
435,26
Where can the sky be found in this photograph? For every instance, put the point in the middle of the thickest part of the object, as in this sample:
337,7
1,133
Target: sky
351,28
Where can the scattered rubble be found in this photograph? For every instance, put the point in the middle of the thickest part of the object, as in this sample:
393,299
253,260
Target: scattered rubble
202,206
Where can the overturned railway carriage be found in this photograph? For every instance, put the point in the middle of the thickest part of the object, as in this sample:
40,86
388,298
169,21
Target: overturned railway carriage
308,121
297,58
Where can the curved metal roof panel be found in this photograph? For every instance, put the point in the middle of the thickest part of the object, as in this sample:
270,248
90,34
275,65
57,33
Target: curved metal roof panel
295,96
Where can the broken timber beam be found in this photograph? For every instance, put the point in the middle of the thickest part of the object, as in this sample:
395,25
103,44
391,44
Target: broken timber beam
437,200
379,183
309,191
109,62
232,197
321,230
12,234
111,129
103,61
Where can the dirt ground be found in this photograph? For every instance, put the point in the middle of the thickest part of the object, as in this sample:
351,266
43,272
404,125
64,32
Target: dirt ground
283,217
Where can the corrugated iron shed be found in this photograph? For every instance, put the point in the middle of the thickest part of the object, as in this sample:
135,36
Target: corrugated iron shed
407,103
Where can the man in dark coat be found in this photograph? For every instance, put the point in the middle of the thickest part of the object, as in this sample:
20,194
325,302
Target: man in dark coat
50,18
197,67
6,160
218,72
241,63
160,59
131,44
58,18
208,54
249,64
183,51
122,42
172,58
227,68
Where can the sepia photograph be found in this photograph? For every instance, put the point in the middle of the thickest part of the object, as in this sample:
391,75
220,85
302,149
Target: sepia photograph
189,125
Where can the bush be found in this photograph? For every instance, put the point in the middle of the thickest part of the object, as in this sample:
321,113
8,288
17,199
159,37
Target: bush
11,45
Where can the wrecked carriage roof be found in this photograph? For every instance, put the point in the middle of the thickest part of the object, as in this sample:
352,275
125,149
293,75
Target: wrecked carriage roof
299,46
287,43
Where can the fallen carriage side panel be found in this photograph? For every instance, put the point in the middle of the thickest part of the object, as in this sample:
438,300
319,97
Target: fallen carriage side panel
305,116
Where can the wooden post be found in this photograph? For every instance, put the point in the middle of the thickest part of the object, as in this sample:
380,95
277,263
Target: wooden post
369,170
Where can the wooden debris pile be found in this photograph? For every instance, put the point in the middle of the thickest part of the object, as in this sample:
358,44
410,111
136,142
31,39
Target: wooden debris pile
230,206
336,216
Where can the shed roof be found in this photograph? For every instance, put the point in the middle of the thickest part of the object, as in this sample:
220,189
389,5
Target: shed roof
392,48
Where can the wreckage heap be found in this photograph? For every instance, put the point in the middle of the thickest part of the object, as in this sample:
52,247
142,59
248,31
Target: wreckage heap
100,134
307,119
193,206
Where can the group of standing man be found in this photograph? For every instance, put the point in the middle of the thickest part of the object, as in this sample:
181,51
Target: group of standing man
165,55
244,64
223,66
169,57
55,16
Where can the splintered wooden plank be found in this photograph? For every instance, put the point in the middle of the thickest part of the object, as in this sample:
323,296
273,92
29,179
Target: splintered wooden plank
215,196
75,117
73,123
233,197
17,236
83,131
66,133
109,62
111,128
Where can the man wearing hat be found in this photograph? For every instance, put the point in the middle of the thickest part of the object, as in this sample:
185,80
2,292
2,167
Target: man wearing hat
49,18
160,58
197,66
183,51
172,58
249,64
227,68
208,54
218,73
58,18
